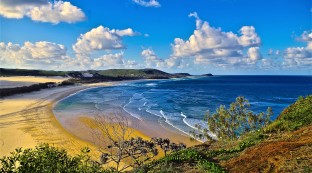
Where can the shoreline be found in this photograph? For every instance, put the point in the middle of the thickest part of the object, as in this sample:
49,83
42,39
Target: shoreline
146,128
28,119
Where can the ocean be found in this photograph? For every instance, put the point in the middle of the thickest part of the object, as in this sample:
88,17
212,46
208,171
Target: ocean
182,103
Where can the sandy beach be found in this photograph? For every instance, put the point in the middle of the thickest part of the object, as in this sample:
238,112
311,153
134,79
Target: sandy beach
27,120
18,81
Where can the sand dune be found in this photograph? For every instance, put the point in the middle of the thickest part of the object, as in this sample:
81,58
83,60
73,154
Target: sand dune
18,81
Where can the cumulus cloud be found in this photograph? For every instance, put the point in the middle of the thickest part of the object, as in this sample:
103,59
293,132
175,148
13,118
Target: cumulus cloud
254,54
212,45
32,53
41,10
249,37
299,56
153,61
113,61
101,38
55,13
150,3
47,55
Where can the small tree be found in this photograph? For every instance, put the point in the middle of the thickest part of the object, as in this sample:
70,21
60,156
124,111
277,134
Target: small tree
229,124
167,146
122,148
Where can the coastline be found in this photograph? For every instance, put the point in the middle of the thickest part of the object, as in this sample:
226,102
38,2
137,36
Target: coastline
28,119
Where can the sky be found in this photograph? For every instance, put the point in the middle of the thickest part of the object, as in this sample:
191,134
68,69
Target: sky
258,37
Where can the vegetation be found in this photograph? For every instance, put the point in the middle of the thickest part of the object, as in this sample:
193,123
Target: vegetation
97,75
25,89
45,158
4,92
180,159
24,72
134,73
292,118
229,124
122,148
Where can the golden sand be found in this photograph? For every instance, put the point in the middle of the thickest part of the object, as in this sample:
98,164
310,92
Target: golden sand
33,79
27,120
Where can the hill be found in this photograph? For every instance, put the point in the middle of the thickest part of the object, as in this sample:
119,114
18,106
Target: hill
97,75
26,72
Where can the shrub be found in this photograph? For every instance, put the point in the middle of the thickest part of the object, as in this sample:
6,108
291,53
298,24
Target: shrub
46,158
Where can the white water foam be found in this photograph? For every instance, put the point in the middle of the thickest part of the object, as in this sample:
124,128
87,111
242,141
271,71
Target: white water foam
174,126
134,115
191,122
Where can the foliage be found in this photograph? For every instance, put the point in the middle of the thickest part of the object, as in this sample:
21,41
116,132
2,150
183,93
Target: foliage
45,158
138,150
67,82
136,73
24,89
115,131
25,72
293,117
207,166
167,146
190,156
228,124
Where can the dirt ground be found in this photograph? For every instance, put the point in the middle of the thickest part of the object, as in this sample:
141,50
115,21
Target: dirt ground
290,152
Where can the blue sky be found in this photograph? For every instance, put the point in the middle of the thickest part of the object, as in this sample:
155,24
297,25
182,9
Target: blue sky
232,36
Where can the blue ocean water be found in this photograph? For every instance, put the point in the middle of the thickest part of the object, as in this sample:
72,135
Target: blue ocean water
182,103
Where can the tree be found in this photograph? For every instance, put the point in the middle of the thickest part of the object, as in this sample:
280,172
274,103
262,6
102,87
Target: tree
229,124
122,147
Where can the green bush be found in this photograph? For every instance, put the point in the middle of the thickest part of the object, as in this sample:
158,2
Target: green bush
191,156
45,158
207,166
293,117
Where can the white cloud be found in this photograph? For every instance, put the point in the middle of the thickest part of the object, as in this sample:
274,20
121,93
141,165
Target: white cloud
55,13
249,37
153,61
254,54
306,36
213,46
45,50
47,55
32,54
297,52
101,38
113,61
41,10
299,56
150,3
18,8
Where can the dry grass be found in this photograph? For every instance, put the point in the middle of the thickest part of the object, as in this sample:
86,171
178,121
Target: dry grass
289,152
